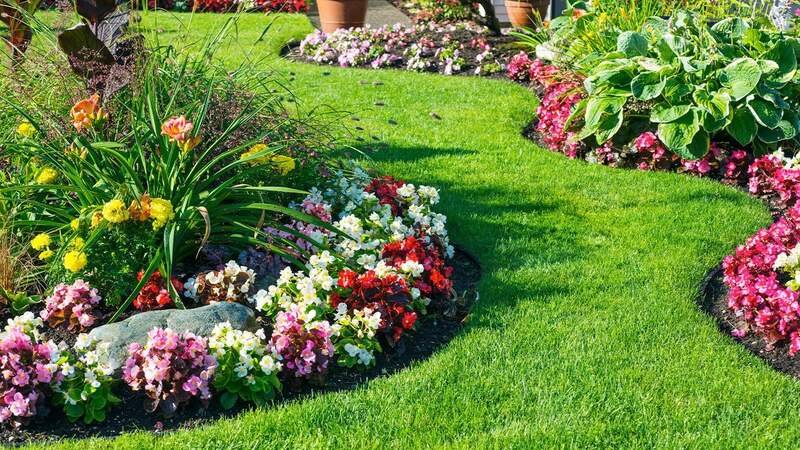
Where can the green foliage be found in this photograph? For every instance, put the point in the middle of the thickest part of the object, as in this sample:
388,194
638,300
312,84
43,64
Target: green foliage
735,79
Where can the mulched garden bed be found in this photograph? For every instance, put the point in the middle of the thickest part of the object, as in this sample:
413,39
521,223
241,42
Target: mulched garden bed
713,300
434,333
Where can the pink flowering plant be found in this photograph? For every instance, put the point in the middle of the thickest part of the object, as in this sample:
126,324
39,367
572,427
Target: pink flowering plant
171,369
73,305
247,369
29,370
86,387
303,344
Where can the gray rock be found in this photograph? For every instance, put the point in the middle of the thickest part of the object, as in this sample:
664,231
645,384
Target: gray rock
200,321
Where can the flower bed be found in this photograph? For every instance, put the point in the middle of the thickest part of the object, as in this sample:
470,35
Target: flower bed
135,210
459,48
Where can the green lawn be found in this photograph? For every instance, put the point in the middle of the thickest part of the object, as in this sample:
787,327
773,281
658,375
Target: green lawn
586,332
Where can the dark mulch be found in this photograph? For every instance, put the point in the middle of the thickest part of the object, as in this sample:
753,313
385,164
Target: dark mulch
713,299
433,334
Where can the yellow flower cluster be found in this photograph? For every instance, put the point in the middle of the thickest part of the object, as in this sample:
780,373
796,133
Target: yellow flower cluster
115,211
26,129
75,261
48,175
161,212
41,243
283,164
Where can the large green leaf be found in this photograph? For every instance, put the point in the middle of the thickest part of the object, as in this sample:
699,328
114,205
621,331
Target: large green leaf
663,113
765,113
697,148
678,134
632,44
608,127
647,85
743,126
783,132
741,76
784,56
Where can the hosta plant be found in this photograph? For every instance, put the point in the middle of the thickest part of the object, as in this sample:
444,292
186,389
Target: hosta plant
693,83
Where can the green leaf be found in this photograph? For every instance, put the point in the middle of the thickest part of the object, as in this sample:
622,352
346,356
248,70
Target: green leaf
632,44
678,134
697,148
783,132
784,56
74,410
647,85
228,400
663,113
765,113
741,76
743,127
676,89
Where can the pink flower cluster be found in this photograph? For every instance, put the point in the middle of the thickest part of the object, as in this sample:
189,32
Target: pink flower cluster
555,108
522,69
757,293
651,153
769,178
305,347
28,368
171,369
72,304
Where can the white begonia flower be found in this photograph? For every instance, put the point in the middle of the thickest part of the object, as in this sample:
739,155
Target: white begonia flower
407,190
413,268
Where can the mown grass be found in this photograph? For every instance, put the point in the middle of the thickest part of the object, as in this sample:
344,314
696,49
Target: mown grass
586,333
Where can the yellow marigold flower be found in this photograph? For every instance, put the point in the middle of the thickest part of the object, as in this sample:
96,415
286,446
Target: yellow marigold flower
87,112
26,129
283,164
45,255
254,150
75,224
97,218
115,211
47,176
75,261
161,212
78,243
41,241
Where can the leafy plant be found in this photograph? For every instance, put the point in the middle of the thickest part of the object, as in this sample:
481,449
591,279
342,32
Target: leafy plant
692,82
15,13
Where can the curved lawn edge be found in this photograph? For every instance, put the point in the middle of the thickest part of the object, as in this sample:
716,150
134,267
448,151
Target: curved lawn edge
586,332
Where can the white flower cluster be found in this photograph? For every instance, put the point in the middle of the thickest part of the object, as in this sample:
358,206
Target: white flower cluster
249,349
298,288
27,322
232,284
87,364
358,329
789,263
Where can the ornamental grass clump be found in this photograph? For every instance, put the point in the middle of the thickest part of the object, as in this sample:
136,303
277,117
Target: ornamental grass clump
171,369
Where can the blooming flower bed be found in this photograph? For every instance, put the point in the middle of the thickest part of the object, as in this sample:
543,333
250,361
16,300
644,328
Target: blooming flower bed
456,48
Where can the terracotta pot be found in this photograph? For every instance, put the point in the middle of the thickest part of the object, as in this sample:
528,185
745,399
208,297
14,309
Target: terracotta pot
521,13
335,14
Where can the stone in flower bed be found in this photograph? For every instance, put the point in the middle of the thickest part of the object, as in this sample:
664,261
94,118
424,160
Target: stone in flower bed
459,48
200,321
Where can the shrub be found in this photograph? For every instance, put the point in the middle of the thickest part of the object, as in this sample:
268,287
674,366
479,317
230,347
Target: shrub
171,369
247,369
28,367
85,390
73,305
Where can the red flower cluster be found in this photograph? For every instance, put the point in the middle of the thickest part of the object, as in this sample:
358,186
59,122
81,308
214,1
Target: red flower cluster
282,5
154,294
214,5
436,279
389,295
385,188
757,293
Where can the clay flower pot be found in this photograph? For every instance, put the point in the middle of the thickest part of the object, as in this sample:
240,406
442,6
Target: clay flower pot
335,14
520,13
